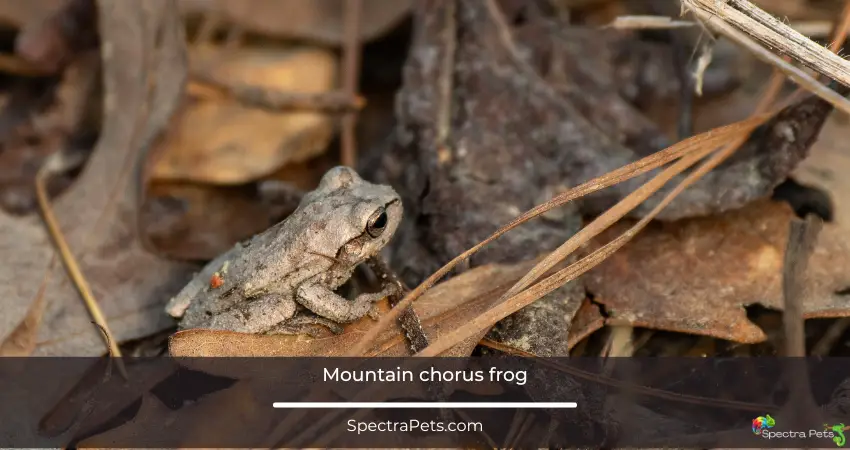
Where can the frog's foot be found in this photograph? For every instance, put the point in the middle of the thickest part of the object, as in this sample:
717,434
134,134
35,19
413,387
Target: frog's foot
305,324
296,330
325,303
374,313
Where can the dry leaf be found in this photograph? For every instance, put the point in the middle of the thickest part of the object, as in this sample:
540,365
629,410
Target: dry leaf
21,341
442,309
97,394
319,20
130,284
241,409
215,412
151,407
24,238
695,276
223,142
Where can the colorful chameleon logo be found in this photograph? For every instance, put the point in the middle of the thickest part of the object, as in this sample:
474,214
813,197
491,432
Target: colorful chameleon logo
760,423
839,435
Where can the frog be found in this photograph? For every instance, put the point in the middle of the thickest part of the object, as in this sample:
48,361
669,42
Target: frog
283,280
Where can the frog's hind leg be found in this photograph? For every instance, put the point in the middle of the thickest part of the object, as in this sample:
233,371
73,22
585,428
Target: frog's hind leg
305,324
255,315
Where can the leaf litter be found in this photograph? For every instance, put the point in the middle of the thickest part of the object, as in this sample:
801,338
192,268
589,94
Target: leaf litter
735,262
755,154
129,281
207,142
443,179
696,276
598,122
216,341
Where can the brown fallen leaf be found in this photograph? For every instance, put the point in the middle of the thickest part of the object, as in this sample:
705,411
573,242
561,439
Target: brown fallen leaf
444,308
695,276
97,394
318,20
241,409
97,215
227,412
223,142
150,407
21,341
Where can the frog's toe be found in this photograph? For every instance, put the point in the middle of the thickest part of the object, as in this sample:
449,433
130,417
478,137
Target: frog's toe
308,322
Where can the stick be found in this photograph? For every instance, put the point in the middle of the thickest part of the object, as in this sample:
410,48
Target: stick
351,77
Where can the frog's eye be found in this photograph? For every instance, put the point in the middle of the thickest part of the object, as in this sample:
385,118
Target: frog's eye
377,223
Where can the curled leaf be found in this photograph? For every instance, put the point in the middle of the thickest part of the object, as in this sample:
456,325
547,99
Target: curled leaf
696,276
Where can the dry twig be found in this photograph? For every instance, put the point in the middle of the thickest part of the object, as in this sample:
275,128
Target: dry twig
800,407
801,242
350,77
730,22
840,30
647,23
53,165
22,340
209,87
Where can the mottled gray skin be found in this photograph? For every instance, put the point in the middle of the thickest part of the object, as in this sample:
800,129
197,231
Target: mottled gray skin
298,261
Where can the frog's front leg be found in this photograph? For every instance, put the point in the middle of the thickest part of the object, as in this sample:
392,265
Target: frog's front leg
255,315
327,303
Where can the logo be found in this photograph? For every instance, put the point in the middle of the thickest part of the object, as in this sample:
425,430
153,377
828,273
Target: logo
761,423
838,431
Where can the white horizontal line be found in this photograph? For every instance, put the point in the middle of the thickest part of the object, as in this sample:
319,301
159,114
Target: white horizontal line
423,405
